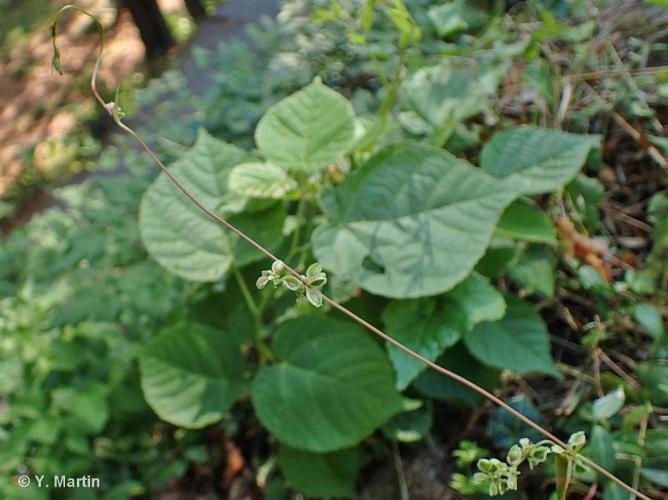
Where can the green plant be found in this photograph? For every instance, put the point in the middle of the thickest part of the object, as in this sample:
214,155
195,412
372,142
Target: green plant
500,477
303,134
466,455
316,191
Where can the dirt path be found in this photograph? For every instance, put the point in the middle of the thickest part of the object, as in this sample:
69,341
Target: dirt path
43,130
229,21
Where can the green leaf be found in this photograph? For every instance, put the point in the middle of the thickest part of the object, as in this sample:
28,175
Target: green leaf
260,180
191,374
539,76
457,359
478,300
411,222
439,97
518,342
527,223
497,257
505,429
307,130
426,327
429,326
185,240
654,378
657,476
608,405
535,160
586,194
601,447
89,405
452,17
320,475
650,319
332,387
534,269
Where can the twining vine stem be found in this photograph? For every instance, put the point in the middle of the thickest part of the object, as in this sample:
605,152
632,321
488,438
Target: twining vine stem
115,112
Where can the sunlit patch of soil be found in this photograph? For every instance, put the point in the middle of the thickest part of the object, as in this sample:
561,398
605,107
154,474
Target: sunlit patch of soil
39,108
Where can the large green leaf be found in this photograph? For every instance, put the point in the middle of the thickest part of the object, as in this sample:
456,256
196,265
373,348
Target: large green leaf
518,342
411,222
429,326
424,326
320,475
191,374
331,388
535,160
307,130
185,240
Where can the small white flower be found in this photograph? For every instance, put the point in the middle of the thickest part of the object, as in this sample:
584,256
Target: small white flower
309,284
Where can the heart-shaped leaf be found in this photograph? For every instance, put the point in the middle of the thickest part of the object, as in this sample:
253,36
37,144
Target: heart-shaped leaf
518,342
307,130
331,388
411,222
185,240
191,374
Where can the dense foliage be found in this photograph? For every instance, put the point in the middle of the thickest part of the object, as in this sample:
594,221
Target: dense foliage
371,138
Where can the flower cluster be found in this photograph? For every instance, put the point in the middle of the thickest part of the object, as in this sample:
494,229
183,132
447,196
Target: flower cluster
501,477
308,285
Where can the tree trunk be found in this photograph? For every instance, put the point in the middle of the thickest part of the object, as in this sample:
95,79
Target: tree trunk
152,26
196,9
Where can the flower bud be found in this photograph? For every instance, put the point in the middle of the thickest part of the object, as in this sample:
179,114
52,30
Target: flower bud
277,266
515,455
577,440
